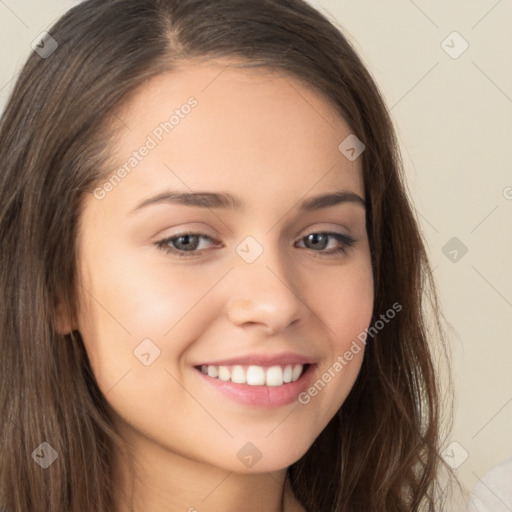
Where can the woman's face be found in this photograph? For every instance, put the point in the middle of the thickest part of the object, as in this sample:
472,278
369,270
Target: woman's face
251,287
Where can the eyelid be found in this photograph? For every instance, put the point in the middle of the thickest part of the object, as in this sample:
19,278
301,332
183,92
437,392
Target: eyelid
325,227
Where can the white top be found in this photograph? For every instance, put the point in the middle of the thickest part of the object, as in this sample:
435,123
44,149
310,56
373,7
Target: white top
493,493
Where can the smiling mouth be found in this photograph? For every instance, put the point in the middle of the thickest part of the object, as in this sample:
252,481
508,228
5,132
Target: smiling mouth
254,375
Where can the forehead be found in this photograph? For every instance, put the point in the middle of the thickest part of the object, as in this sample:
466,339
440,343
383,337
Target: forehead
257,130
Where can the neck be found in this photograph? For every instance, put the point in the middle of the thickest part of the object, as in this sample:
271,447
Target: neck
168,481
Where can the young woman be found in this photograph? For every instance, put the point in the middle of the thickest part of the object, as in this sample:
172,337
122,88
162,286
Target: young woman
212,281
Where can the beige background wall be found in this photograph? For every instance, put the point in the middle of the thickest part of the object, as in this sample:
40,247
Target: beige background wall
454,121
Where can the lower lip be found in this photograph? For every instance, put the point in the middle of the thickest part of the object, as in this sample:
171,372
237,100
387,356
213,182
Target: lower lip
262,396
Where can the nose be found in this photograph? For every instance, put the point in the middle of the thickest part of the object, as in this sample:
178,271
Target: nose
265,293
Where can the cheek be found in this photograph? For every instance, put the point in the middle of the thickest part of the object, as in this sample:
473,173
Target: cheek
133,328
346,303
130,309
346,309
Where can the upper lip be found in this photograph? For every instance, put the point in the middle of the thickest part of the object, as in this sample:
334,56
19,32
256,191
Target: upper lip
281,359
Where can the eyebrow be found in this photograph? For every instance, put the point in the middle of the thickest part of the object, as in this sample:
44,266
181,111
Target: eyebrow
226,200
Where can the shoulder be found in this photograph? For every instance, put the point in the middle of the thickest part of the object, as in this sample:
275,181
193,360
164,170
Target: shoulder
493,493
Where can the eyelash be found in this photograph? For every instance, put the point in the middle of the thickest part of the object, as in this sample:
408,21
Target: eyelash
347,244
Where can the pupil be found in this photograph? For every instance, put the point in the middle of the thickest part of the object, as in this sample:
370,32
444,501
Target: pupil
314,238
185,244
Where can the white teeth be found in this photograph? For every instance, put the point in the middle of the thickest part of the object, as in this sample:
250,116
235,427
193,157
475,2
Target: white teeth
297,370
224,373
238,375
274,376
287,374
255,375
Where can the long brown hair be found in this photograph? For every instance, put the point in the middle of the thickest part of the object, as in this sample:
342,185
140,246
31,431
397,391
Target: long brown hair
380,452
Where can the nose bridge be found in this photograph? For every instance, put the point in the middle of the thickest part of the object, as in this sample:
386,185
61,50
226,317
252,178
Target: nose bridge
263,288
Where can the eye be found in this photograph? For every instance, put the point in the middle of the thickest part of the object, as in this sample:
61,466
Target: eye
188,244
320,241
182,244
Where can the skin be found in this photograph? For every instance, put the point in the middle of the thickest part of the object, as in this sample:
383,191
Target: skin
272,142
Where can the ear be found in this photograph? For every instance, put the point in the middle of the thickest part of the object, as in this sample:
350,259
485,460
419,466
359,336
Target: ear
61,318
